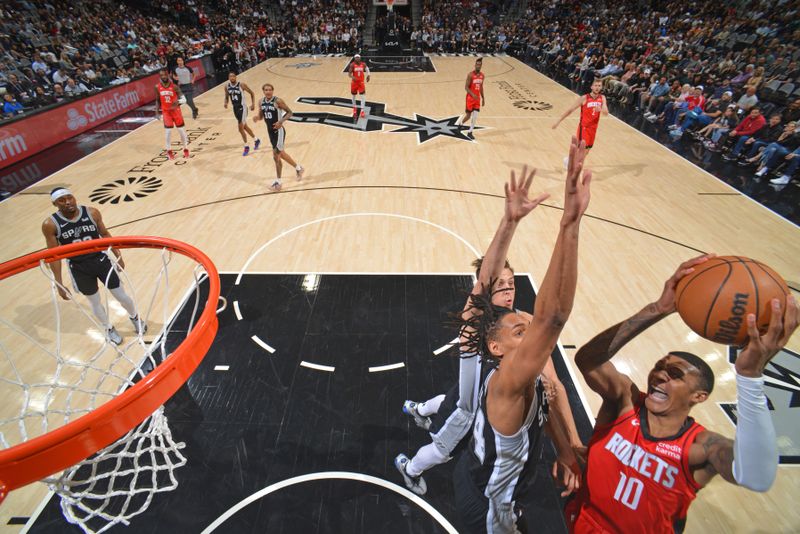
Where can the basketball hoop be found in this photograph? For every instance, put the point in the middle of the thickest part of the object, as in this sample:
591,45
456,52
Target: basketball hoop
390,5
90,435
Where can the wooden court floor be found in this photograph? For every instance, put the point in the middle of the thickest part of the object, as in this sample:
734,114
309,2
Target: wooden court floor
399,194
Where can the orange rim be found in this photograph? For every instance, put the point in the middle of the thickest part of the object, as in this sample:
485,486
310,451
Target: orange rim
67,445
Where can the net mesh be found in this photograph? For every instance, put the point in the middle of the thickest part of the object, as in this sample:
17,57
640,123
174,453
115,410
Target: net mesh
78,369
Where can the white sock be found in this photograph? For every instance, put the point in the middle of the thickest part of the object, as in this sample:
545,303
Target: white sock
363,103
184,137
168,131
298,167
125,300
98,309
354,100
426,457
430,407
473,120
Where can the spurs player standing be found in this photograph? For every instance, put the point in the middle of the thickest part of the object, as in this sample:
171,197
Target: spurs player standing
275,112
233,92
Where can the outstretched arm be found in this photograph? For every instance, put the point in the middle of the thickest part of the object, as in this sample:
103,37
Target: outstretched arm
517,206
751,460
557,294
594,358
575,105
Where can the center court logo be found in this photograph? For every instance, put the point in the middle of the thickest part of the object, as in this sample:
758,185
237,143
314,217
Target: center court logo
75,120
376,118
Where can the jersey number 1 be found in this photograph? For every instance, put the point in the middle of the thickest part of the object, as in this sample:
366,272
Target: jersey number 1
629,491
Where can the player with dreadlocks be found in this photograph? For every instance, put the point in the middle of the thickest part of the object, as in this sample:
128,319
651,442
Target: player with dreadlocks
455,420
433,413
493,475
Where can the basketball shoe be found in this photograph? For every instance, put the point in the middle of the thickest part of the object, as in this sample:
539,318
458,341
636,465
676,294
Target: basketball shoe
257,144
411,408
415,484
246,150
300,171
185,153
171,154
113,336
139,326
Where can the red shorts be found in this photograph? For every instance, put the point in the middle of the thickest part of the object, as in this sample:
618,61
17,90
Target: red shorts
357,88
173,117
473,104
587,133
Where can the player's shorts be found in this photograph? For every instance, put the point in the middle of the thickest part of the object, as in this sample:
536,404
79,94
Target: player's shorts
580,521
173,117
240,112
450,430
357,88
473,104
86,273
277,138
587,133
472,505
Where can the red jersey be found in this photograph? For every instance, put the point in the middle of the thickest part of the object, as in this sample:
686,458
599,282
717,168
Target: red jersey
696,101
633,482
168,96
475,83
358,70
590,110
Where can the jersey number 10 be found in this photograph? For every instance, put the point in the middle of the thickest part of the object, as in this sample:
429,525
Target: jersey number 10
629,491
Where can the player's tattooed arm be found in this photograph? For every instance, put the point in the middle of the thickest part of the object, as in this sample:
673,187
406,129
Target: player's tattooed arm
710,455
593,359
158,101
282,105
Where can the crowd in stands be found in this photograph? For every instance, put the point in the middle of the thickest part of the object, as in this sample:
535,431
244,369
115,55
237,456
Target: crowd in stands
720,74
723,74
56,50
460,26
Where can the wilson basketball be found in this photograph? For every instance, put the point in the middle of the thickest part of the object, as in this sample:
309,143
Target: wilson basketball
715,299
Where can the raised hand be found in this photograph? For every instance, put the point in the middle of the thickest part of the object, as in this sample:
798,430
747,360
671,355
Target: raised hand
518,205
761,349
666,302
576,192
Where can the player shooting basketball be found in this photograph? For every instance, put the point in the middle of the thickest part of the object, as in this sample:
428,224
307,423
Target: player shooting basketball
647,458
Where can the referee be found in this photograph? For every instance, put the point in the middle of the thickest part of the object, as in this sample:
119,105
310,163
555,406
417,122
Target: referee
185,77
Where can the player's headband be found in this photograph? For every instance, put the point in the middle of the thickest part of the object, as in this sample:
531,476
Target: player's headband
58,193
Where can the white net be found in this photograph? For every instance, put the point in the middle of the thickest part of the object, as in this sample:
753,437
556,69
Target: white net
53,372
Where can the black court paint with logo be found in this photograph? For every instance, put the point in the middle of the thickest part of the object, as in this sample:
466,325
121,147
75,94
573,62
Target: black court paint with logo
269,418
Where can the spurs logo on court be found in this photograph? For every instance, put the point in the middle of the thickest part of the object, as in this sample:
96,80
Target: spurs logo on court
425,128
782,386
304,65
126,189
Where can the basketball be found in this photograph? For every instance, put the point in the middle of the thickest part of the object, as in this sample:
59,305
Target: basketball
715,299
